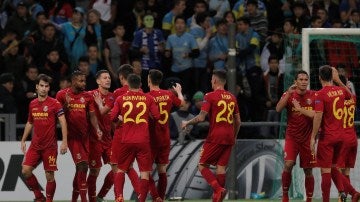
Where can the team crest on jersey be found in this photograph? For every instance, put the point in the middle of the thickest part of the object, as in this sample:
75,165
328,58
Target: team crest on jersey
93,162
45,108
82,100
78,156
308,101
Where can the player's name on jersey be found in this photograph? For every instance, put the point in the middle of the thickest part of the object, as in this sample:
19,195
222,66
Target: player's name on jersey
162,98
134,97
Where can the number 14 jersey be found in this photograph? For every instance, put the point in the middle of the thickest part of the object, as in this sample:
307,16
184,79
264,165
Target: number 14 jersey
221,107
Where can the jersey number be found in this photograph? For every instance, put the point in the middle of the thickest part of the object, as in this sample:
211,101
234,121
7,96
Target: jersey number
226,113
163,111
138,118
346,113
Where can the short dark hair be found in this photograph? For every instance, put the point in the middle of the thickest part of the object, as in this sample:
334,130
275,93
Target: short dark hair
221,74
273,57
300,72
155,76
40,13
201,17
325,73
245,20
6,78
124,70
118,24
77,73
43,77
180,17
84,59
49,25
343,79
103,71
134,81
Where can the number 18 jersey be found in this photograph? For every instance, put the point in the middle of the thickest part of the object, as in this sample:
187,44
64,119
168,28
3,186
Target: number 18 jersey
221,107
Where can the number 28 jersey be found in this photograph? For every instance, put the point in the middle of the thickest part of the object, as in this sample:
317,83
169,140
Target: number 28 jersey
221,107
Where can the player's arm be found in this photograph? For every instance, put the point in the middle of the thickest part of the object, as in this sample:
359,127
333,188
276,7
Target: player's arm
309,113
27,131
104,109
64,132
178,90
198,118
237,124
94,122
336,79
316,125
284,99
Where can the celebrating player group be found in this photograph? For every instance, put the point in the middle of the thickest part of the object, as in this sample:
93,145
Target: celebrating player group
100,127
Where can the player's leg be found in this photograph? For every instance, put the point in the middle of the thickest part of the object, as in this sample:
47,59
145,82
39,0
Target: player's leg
109,179
81,169
309,184
291,151
307,162
95,163
134,178
143,157
162,183
50,185
91,183
31,161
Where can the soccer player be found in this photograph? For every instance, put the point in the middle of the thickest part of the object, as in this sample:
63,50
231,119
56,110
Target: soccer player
100,147
43,112
329,115
298,132
77,105
134,108
160,131
223,111
123,72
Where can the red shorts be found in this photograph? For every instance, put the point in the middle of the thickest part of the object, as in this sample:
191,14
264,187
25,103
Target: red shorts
114,150
48,156
293,148
215,154
329,150
161,154
79,148
99,150
349,152
128,152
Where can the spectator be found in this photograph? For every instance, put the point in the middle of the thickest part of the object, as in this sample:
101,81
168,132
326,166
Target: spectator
74,35
346,7
95,63
240,8
149,45
220,7
48,41
332,9
176,117
275,13
200,7
133,20
116,50
311,7
65,82
323,14
56,69
156,8
34,8
106,8
229,17
300,18
275,47
84,67
218,46
13,62
248,45
94,31
21,22
8,38
202,33
61,12
258,20
29,92
354,21
7,100
183,48
197,101
168,25
274,80
37,31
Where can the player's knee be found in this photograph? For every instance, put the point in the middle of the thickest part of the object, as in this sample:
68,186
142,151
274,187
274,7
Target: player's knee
288,166
26,172
94,172
50,177
308,172
161,168
220,169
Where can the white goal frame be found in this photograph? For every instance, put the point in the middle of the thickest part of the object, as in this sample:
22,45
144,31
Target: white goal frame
305,40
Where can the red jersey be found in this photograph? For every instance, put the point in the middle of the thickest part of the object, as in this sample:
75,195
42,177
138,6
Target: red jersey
76,111
331,100
43,116
135,108
120,91
349,116
299,126
104,121
160,131
221,107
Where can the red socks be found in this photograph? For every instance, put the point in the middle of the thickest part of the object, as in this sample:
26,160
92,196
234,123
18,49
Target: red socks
144,188
81,180
309,187
325,186
286,181
210,178
119,179
162,184
91,183
50,190
134,179
75,193
221,179
108,183
152,189
34,186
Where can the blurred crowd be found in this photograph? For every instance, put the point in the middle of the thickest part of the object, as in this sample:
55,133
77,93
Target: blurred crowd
185,39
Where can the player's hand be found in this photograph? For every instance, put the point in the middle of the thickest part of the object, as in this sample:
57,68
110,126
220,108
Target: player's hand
335,75
97,98
23,147
184,124
99,134
312,145
296,104
120,118
63,148
67,98
177,87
